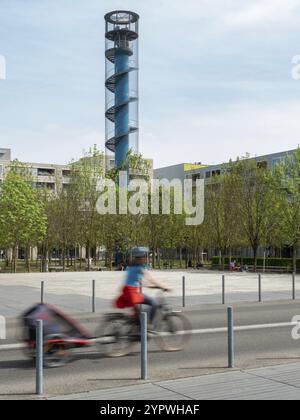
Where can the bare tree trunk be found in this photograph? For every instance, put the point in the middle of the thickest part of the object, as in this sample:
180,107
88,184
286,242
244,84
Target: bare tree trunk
220,259
158,258
180,256
64,258
14,258
295,254
110,259
27,258
153,258
80,258
88,256
75,256
255,258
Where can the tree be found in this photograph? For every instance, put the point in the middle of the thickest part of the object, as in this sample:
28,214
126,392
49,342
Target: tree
220,215
83,195
287,175
255,200
23,222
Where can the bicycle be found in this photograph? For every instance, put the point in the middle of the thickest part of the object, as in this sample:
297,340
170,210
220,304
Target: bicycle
120,332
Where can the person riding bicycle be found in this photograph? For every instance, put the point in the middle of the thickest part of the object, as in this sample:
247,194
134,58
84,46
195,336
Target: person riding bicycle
132,295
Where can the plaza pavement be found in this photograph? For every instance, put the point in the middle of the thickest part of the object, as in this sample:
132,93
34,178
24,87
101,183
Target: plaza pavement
72,291
271,383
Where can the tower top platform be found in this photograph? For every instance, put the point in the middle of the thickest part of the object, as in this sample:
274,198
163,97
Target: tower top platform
121,17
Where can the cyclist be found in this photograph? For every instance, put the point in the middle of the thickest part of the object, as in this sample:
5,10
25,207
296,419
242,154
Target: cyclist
132,295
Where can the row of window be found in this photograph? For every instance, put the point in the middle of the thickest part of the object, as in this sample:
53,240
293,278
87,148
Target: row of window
49,172
217,172
49,185
41,172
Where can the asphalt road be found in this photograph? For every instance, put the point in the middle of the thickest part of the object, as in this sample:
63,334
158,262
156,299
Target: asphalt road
263,343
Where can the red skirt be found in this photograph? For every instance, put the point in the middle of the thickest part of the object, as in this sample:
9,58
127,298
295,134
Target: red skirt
130,297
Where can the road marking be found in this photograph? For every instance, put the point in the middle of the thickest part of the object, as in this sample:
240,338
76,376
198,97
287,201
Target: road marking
12,347
246,328
194,332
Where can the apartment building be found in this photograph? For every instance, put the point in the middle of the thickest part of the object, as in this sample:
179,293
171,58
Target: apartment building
55,177
209,172
52,177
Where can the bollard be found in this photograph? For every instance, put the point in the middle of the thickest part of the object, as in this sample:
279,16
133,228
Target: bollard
144,346
183,291
94,297
231,341
39,358
259,289
294,286
42,292
223,289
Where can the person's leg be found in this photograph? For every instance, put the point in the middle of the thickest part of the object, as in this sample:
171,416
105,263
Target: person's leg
150,301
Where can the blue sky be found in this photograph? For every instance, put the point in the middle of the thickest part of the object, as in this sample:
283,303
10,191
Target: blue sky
215,78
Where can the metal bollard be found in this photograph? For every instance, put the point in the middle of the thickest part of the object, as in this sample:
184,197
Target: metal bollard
183,291
39,358
259,289
294,286
144,346
42,292
94,297
223,290
231,340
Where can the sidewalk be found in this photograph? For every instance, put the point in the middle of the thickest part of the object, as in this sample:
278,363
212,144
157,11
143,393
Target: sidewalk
272,383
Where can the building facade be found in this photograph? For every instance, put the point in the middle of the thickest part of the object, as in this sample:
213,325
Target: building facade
57,177
196,171
210,171
179,171
207,173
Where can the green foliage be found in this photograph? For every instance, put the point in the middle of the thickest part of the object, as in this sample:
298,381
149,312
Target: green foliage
22,217
135,164
245,206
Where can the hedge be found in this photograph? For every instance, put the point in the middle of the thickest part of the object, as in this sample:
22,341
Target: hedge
270,262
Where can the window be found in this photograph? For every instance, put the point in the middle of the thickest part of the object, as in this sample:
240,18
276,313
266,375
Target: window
33,171
276,162
207,175
47,185
66,173
216,173
262,165
45,172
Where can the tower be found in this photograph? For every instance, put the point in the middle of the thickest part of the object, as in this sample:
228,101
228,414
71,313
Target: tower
121,82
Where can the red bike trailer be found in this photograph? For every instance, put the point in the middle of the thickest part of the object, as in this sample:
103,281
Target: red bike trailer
61,333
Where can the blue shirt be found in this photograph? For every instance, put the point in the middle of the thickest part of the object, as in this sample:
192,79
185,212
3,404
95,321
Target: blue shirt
134,275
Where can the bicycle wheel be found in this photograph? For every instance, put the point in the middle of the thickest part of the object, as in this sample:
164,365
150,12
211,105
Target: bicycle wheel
57,352
174,331
115,337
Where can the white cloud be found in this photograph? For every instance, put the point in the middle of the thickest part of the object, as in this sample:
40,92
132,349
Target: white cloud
263,11
233,12
217,137
52,144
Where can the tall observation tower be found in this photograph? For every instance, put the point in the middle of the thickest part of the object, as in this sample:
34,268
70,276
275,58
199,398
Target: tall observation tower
121,107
